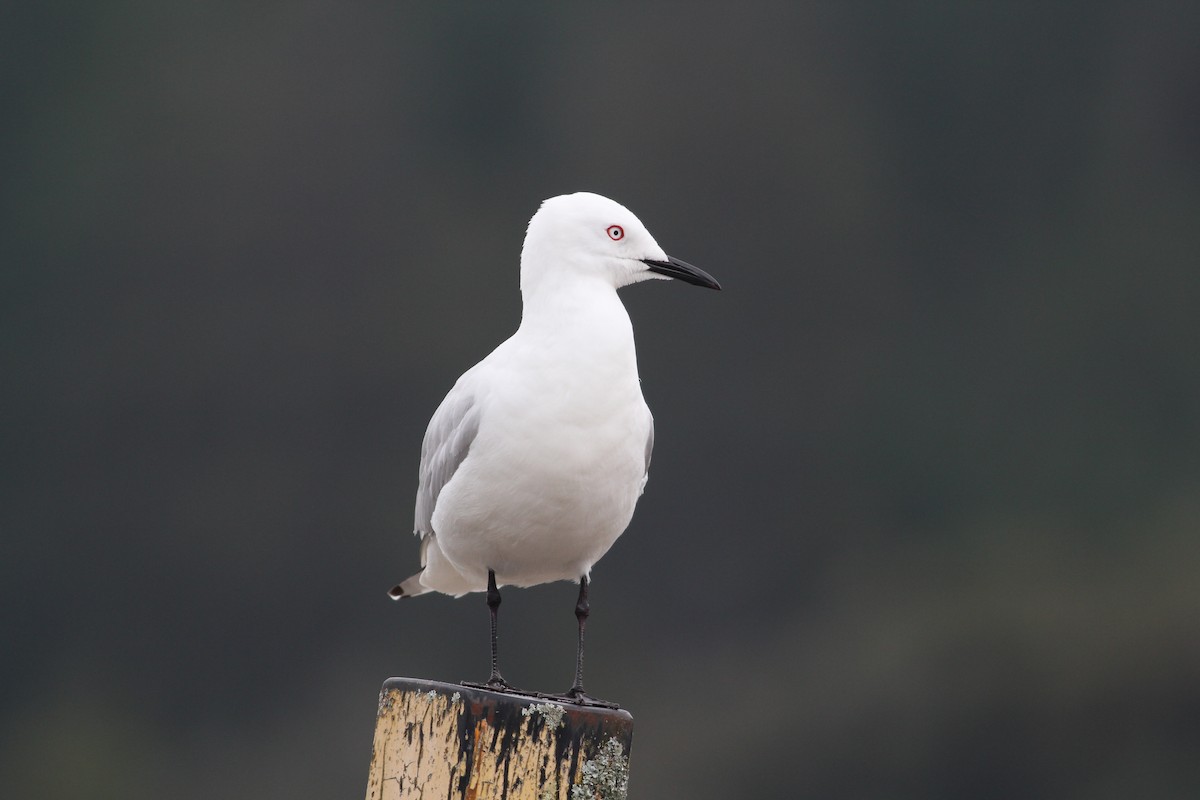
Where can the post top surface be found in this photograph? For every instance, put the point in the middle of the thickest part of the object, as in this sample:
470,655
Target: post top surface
490,698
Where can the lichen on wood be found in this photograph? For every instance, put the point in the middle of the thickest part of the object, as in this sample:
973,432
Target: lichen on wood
606,777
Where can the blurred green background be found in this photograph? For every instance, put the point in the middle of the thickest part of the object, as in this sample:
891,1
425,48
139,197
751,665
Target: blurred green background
924,509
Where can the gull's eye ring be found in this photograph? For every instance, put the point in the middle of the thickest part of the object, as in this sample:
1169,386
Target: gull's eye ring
616,233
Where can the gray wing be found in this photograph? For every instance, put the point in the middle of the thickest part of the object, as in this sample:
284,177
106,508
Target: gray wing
447,442
649,450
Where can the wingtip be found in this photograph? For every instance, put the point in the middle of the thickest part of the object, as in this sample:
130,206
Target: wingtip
408,588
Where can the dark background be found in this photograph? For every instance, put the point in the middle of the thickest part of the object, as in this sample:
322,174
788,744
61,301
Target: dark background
926,494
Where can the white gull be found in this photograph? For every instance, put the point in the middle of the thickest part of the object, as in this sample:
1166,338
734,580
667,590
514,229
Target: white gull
533,463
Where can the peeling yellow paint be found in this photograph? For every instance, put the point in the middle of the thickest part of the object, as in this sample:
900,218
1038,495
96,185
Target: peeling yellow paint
453,741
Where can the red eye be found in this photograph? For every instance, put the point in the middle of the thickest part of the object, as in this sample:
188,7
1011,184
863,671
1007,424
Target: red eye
616,233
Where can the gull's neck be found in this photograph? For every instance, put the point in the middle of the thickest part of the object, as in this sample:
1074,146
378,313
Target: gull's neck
581,314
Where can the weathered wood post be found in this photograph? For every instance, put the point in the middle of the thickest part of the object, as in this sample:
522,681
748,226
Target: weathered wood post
444,740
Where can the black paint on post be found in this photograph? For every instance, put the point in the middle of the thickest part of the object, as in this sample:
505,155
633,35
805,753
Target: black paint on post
529,739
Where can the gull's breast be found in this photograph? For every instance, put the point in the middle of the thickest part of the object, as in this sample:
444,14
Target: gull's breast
550,482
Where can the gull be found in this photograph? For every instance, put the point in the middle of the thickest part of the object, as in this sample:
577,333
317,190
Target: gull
533,463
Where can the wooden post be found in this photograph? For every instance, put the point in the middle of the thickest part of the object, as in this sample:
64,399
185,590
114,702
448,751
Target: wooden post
448,741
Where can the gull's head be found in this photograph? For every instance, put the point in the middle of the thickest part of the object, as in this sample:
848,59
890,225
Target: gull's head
584,236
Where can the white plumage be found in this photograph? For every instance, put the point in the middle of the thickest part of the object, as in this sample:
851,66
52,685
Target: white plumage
532,465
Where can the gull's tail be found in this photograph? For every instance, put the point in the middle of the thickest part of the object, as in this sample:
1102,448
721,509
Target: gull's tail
409,588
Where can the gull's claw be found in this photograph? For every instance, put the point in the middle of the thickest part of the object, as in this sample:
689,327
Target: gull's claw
577,696
494,684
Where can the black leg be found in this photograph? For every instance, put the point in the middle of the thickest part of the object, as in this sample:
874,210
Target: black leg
495,681
581,613
493,601
576,694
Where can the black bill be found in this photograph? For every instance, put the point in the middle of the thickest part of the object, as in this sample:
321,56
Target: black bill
683,271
